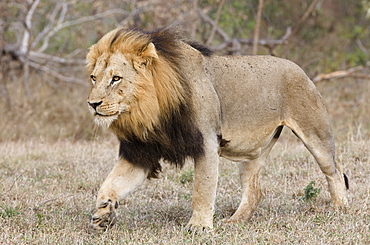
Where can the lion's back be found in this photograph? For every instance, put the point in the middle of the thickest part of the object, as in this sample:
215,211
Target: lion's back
247,72
256,93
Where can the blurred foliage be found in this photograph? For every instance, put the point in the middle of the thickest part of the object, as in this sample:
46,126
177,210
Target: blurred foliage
330,38
335,36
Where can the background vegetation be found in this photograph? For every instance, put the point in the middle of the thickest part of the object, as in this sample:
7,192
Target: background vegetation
43,44
53,159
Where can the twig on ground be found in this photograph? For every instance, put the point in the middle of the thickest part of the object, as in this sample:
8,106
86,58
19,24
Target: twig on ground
11,187
36,208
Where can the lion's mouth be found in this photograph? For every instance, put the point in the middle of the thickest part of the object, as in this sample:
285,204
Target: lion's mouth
110,115
105,120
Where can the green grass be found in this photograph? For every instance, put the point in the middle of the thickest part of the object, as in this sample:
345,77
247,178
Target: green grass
310,192
8,212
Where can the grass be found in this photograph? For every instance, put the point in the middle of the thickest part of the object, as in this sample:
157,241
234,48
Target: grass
8,211
48,185
310,192
53,112
49,191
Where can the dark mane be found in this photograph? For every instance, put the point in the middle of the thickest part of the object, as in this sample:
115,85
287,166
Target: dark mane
174,141
201,48
176,138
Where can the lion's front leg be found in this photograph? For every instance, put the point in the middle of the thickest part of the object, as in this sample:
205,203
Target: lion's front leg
204,192
123,179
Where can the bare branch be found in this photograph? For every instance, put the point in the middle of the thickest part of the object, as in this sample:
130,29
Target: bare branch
77,22
47,28
361,46
24,48
28,24
57,74
211,36
195,19
208,20
144,7
304,17
268,43
234,45
43,58
341,74
256,34
63,13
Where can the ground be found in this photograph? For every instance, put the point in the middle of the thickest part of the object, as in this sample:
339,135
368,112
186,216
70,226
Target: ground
48,184
48,191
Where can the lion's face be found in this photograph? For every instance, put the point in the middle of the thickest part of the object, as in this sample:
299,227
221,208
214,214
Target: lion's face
112,88
133,87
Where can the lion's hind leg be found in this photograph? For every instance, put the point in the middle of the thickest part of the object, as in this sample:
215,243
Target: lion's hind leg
318,139
251,190
250,179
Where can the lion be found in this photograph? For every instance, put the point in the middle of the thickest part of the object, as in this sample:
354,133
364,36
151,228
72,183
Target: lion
170,100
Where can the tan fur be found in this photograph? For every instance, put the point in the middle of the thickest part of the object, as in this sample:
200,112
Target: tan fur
240,106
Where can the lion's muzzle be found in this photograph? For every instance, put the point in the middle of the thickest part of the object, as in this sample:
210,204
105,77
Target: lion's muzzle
104,114
94,105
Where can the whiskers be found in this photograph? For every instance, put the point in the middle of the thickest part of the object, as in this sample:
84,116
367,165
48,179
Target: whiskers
102,120
105,121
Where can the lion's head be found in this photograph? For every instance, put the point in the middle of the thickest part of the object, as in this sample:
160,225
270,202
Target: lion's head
134,83
139,91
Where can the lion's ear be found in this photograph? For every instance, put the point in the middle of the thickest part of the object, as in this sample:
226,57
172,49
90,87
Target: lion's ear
149,52
146,56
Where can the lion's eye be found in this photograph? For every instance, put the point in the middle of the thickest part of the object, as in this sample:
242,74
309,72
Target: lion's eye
115,79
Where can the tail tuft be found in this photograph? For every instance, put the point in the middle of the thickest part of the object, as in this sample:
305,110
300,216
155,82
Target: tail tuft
346,181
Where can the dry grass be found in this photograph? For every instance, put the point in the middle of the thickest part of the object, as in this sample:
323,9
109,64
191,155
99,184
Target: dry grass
55,111
48,188
48,191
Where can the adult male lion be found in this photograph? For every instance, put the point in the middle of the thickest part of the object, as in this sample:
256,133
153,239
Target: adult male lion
171,100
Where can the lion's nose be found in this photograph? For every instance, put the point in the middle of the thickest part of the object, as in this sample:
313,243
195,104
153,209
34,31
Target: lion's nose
95,104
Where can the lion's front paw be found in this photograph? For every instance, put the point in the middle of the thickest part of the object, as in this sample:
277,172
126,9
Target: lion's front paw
199,226
104,218
198,229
